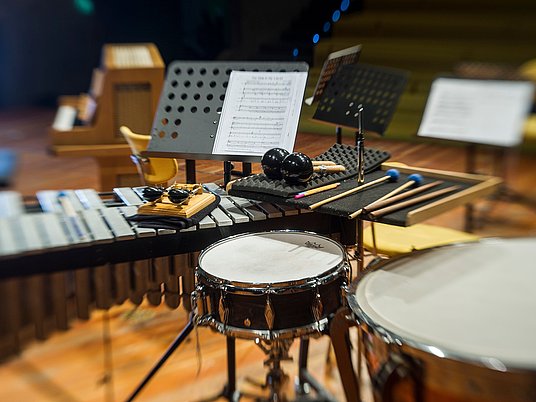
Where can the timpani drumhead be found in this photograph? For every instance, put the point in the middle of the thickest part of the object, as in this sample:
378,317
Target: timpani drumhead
473,302
271,257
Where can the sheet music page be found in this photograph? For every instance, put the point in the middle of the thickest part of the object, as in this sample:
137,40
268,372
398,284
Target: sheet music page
490,112
260,111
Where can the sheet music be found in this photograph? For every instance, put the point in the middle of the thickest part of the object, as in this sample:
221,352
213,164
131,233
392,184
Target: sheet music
490,112
260,111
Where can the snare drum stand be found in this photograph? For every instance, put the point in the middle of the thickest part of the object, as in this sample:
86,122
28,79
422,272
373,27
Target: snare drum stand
277,351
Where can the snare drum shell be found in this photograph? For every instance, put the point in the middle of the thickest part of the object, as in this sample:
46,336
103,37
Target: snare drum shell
292,308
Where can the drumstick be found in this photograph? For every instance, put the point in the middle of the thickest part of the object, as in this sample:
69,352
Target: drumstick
413,201
316,190
332,168
414,179
390,175
316,163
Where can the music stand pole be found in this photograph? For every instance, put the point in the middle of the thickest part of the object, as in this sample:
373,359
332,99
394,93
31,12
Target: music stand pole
190,171
360,146
470,168
338,134
174,345
227,172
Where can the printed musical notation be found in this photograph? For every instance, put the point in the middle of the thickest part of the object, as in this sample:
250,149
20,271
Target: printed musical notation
490,112
260,111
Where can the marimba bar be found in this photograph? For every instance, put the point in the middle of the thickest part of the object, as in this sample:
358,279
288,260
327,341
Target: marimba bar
51,241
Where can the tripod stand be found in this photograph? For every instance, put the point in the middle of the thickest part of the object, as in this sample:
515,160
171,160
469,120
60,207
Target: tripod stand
276,350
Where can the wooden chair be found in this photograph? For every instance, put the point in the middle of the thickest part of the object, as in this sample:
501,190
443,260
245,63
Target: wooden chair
152,171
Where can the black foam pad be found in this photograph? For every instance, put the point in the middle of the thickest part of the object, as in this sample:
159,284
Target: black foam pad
341,154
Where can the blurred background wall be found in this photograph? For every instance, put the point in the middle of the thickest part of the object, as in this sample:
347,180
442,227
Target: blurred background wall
49,48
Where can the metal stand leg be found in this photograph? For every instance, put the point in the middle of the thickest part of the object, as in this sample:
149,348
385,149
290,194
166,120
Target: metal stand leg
190,171
306,381
230,389
174,345
341,345
227,172
302,387
470,168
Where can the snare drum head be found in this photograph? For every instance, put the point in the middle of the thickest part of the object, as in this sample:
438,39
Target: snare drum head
473,302
271,257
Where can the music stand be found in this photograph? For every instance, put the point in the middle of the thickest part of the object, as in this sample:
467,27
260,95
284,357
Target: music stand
377,89
363,98
475,111
329,68
190,106
331,65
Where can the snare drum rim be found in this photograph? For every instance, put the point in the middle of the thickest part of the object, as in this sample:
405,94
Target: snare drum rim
394,339
273,287
317,327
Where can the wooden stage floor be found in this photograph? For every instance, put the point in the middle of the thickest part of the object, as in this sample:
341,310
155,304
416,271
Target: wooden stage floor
103,359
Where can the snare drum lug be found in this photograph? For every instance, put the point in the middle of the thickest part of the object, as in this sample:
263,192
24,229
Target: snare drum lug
198,300
317,307
223,309
269,314
345,291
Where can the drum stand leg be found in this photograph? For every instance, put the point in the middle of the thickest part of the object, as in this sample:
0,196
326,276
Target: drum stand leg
277,351
229,390
306,381
174,345
339,333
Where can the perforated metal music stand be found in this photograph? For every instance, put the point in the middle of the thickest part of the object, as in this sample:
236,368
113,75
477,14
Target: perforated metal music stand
377,89
329,68
190,105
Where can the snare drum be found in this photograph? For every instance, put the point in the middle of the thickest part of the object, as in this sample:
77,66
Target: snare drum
279,284
455,323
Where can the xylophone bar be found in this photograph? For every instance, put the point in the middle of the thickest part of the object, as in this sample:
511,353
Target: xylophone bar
99,234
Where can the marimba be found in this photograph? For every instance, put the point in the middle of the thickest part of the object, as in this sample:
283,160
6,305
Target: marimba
59,263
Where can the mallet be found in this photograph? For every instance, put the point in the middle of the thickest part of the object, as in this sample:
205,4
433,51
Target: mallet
391,175
414,180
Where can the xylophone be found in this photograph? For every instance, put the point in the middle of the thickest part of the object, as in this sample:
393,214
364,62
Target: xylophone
58,264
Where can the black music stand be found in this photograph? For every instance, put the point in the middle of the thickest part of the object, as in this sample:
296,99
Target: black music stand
377,89
190,106
329,68
363,98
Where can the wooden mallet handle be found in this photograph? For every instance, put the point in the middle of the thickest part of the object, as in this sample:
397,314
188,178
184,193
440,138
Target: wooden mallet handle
413,201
